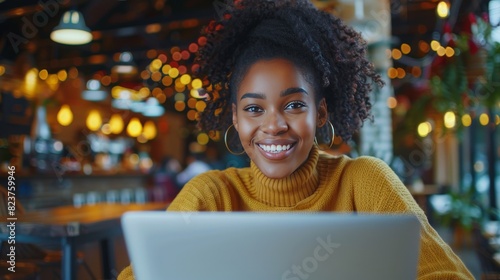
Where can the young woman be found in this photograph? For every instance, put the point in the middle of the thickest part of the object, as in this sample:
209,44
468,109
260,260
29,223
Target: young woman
284,73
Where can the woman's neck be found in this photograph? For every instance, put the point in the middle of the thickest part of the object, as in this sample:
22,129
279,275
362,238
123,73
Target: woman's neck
287,191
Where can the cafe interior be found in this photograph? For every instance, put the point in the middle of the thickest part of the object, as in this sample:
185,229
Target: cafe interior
100,99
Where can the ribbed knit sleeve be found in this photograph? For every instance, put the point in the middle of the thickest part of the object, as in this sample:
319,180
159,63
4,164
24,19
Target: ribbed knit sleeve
205,192
378,189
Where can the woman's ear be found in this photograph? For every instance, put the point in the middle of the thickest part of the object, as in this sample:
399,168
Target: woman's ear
322,113
235,119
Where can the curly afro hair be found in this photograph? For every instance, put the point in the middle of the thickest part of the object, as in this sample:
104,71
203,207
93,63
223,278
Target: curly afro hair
331,55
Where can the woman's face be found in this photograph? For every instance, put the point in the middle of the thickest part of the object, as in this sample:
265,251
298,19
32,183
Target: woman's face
276,116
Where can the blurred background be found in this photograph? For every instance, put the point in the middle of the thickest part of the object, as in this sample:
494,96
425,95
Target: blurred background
99,100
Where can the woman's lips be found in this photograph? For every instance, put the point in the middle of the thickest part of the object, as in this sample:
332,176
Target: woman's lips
275,151
275,148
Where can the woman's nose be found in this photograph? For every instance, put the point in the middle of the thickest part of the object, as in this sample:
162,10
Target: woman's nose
274,124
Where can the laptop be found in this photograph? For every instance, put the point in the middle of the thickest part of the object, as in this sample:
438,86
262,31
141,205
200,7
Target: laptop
257,245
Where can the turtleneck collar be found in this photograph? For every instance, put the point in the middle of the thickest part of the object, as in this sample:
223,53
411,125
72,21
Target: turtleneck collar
288,191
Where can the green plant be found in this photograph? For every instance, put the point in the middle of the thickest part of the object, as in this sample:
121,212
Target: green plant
489,86
464,209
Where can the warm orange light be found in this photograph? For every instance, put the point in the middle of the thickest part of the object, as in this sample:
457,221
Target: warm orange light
449,52
150,130
423,46
201,105
134,127
62,75
180,106
435,45
441,51
392,72
156,64
450,119
424,129
416,71
116,124
443,9
185,79
405,48
173,72
484,119
94,120
30,82
466,120
202,139
43,74
396,54
401,73
196,84
392,102
65,116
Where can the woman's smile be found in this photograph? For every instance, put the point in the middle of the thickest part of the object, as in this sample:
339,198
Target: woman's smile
276,151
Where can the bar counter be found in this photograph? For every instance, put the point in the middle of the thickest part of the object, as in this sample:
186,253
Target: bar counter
40,191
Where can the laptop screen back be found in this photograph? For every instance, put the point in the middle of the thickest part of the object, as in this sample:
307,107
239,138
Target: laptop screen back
288,246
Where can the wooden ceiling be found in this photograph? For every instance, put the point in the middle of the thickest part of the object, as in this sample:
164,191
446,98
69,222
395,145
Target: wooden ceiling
140,25
131,25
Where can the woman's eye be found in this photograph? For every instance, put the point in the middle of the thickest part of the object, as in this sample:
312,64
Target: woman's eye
253,109
295,105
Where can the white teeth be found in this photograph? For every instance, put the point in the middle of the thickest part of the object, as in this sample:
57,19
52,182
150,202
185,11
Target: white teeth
275,148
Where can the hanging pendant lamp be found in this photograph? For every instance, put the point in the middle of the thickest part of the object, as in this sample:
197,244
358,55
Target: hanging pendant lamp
71,30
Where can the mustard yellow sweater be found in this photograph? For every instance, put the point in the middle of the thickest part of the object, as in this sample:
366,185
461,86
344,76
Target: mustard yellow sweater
323,183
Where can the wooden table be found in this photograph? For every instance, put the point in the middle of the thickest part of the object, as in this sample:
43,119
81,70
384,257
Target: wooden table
72,227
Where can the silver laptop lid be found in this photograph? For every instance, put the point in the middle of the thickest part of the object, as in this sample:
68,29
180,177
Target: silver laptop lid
288,246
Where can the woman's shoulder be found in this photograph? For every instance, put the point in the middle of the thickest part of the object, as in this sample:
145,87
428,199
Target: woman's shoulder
346,161
358,171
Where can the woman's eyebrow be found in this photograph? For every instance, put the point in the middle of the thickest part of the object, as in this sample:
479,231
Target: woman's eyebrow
289,91
285,92
253,95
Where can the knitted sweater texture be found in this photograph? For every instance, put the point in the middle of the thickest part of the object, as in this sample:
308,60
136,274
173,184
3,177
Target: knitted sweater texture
322,183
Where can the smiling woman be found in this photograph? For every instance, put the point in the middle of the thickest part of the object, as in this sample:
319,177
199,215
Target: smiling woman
280,72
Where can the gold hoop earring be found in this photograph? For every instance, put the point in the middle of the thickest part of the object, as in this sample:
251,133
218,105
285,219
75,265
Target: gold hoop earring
227,146
332,139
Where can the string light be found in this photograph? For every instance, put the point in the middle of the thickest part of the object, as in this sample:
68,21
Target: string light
443,9
435,45
484,119
30,82
449,119
424,129
405,48
466,120
202,139
396,54
43,74
392,102
62,75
